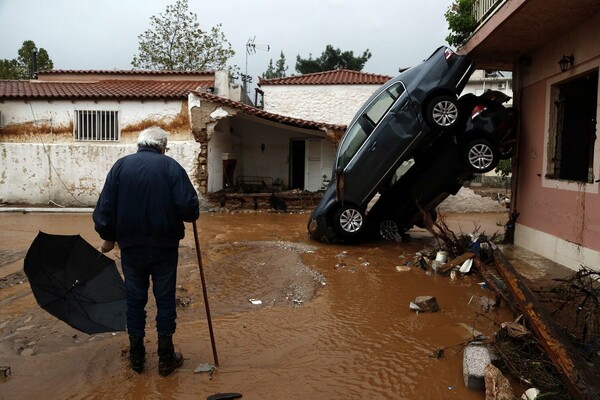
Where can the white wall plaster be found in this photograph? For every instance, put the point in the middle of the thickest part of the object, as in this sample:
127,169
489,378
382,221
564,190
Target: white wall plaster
334,104
68,174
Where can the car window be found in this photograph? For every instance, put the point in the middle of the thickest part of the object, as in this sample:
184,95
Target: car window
364,125
383,102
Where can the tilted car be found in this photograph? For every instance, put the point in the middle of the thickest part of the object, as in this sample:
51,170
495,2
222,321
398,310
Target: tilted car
426,180
405,115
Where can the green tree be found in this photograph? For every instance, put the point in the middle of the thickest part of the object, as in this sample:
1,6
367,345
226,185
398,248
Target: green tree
461,21
277,71
175,41
332,59
504,168
22,66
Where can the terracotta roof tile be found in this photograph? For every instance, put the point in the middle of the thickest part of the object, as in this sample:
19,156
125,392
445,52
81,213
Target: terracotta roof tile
104,89
268,115
336,77
120,72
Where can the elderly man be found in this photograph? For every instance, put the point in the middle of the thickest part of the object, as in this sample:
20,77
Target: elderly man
145,200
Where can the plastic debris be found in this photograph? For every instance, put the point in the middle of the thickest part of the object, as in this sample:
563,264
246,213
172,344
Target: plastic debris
530,394
256,302
466,266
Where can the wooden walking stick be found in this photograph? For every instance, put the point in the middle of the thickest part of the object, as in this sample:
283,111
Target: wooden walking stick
210,329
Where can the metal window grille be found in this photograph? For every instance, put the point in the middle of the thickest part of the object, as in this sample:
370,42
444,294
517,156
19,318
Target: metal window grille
96,125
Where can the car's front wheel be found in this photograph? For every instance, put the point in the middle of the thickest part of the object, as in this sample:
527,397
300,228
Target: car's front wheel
481,156
349,221
443,113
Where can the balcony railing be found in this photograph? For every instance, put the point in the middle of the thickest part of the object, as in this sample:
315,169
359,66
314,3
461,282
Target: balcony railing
482,8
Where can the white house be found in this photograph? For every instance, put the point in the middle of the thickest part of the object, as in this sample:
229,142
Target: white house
60,134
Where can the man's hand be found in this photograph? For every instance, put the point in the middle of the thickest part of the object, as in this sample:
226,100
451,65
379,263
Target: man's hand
107,246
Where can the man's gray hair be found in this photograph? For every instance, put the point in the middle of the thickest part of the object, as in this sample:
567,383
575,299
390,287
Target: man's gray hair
154,137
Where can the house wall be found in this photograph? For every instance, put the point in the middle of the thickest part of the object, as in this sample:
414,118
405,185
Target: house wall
334,104
69,174
42,166
558,218
56,114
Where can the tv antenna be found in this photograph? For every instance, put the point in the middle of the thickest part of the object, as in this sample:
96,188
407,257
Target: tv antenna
251,48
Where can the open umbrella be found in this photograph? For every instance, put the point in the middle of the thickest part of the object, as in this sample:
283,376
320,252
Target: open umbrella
76,283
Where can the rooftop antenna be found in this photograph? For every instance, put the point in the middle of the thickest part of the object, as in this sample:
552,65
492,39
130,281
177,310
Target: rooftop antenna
251,48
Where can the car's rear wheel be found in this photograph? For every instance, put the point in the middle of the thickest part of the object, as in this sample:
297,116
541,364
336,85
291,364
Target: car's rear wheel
349,221
443,113
481,156
389,229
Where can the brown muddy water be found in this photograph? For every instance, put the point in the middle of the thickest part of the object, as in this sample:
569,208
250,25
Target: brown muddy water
334,322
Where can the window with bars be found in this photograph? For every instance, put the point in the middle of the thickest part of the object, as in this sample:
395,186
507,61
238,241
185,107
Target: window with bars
96,125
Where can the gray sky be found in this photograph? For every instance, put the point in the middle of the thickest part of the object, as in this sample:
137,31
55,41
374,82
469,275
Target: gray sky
103,34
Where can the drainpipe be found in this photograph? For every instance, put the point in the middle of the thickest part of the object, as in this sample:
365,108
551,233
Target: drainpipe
35,67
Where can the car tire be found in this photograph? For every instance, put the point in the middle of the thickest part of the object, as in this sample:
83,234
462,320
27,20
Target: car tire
432,214
481,156
349,221
389,229
443,112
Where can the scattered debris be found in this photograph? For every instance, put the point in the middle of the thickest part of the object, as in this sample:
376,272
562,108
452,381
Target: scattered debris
530,394
224,396
497,387
425,304
256,302
183,301
204,367
476,357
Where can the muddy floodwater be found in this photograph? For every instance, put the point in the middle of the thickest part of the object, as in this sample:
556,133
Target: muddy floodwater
334,321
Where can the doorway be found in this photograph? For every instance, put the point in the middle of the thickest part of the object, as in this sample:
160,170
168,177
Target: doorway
297,163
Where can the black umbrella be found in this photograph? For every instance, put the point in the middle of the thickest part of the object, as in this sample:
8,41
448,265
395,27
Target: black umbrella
76,283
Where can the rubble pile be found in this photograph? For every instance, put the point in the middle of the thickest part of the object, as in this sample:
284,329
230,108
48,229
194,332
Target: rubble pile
553,345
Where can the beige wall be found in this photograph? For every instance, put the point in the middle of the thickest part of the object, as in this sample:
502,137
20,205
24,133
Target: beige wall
558,218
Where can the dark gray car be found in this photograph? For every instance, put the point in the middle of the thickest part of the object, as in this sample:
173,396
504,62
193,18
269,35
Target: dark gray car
402,118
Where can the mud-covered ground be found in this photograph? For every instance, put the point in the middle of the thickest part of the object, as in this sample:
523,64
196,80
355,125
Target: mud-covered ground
334,322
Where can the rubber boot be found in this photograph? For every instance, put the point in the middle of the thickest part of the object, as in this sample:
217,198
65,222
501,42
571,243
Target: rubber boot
137,353
168,359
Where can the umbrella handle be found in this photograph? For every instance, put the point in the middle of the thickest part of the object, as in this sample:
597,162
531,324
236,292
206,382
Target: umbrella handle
205,294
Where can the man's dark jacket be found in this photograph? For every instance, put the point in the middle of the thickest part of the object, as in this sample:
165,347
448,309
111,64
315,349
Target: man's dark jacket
145,199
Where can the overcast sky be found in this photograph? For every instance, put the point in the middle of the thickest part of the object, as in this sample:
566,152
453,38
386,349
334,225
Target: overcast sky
103,34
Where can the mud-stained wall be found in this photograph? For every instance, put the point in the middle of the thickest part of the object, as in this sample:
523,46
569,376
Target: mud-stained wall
558,218
41,163
23,121
69,175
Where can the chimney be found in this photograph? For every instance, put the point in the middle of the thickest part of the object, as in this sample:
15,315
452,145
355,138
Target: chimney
35,67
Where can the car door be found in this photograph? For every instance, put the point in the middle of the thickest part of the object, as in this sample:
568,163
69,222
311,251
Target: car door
393,125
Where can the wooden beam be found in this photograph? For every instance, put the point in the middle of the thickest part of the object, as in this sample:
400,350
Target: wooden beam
578,377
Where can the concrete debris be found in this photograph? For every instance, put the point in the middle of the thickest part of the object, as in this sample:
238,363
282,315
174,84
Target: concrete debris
497,387
475,358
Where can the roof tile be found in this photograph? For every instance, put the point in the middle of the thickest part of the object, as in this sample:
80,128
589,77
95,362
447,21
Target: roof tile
104,89
336,77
